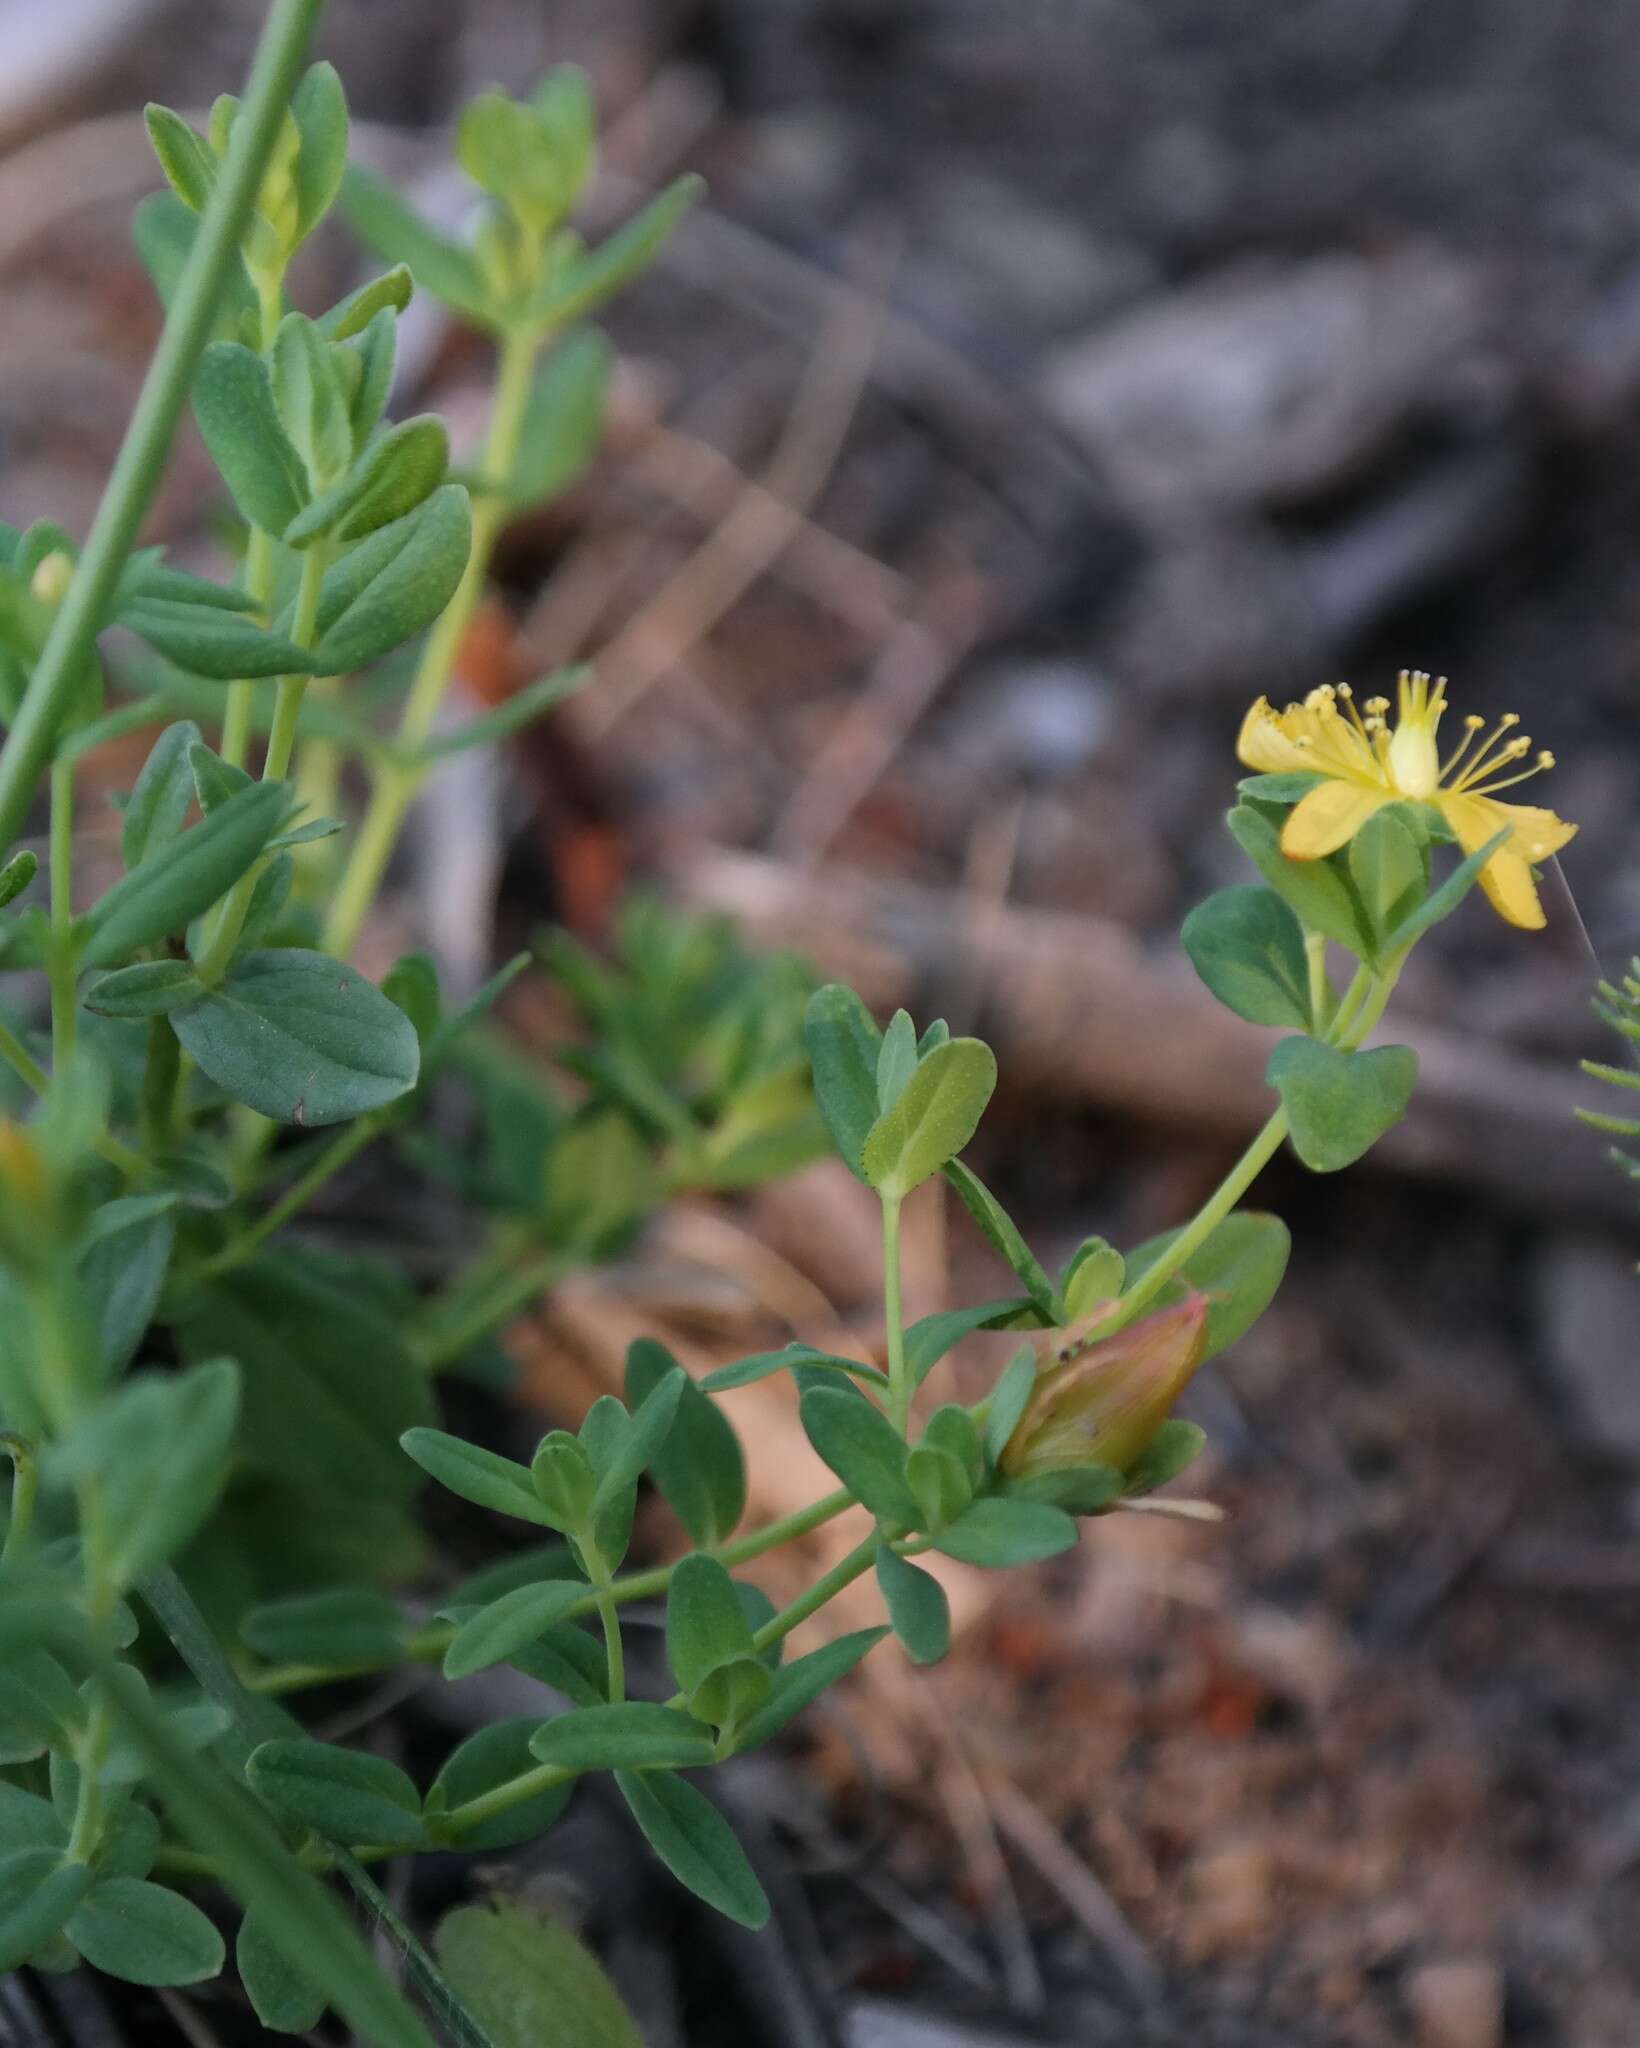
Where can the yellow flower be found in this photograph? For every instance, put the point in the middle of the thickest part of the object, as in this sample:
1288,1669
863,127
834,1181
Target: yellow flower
1369,763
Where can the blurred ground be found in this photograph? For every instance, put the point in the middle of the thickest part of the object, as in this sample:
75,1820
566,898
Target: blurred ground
1043,383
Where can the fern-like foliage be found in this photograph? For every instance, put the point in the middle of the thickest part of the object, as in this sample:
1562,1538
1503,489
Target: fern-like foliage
1620,1008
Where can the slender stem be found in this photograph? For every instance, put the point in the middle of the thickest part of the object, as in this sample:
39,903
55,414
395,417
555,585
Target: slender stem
346,1146
397,781
161,1074
428,1645
137,468
513,1292
230,918
1202,1226
843,1573
22,1062
609,1614
1315,952
899,1383
65,999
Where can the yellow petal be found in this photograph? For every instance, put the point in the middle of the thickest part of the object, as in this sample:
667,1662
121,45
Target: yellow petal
1266,743
1328,817
1535,834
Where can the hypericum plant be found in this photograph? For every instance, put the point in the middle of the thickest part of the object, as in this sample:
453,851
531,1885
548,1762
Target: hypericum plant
1620,1008
207,1420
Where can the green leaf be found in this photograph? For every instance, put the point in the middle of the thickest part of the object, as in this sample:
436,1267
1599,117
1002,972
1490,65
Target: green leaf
521,709
651,1424
706,1626
571,1660
1285,788
1078,1489
189,167
16,875
122,1273
1239,1269
1339,1104
1002,1234
930,1338
399,235
160,1447
145,1934
1313,888
342,1794
1248,947
160,799
329,1388
917,1606
337,1628
233,402
282,1998
582,287
215,780
563,421
798,1684
696,1844
494,1756
179,881
164,231
1173,1447
530,1981
376,351
300,1036
896,1060
843,1047
477,1475
997,1533
1094,1273
699,1469
634,1735
151,988
1441,902
492,1634
207,641
352,316
392,585
27,1821
743,1372
933,1119
393,476
938,1483
1010,1397
38,1894
862,1447
311,400
320,107
1389,865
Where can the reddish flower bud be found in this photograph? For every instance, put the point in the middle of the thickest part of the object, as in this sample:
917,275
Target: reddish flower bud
1102,1405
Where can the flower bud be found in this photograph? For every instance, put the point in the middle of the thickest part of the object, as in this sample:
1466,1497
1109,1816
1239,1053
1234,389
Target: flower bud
1102,1405
49,583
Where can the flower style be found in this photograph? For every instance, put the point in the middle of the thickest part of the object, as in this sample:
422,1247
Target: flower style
1368,763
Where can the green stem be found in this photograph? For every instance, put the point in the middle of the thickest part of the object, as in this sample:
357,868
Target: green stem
428,1645
899,1382
138,466
61,966
161,1075
230,921
346,1146
609,1614
513,1292
502,1798
396,781
22,1062
1315,952
843,1573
